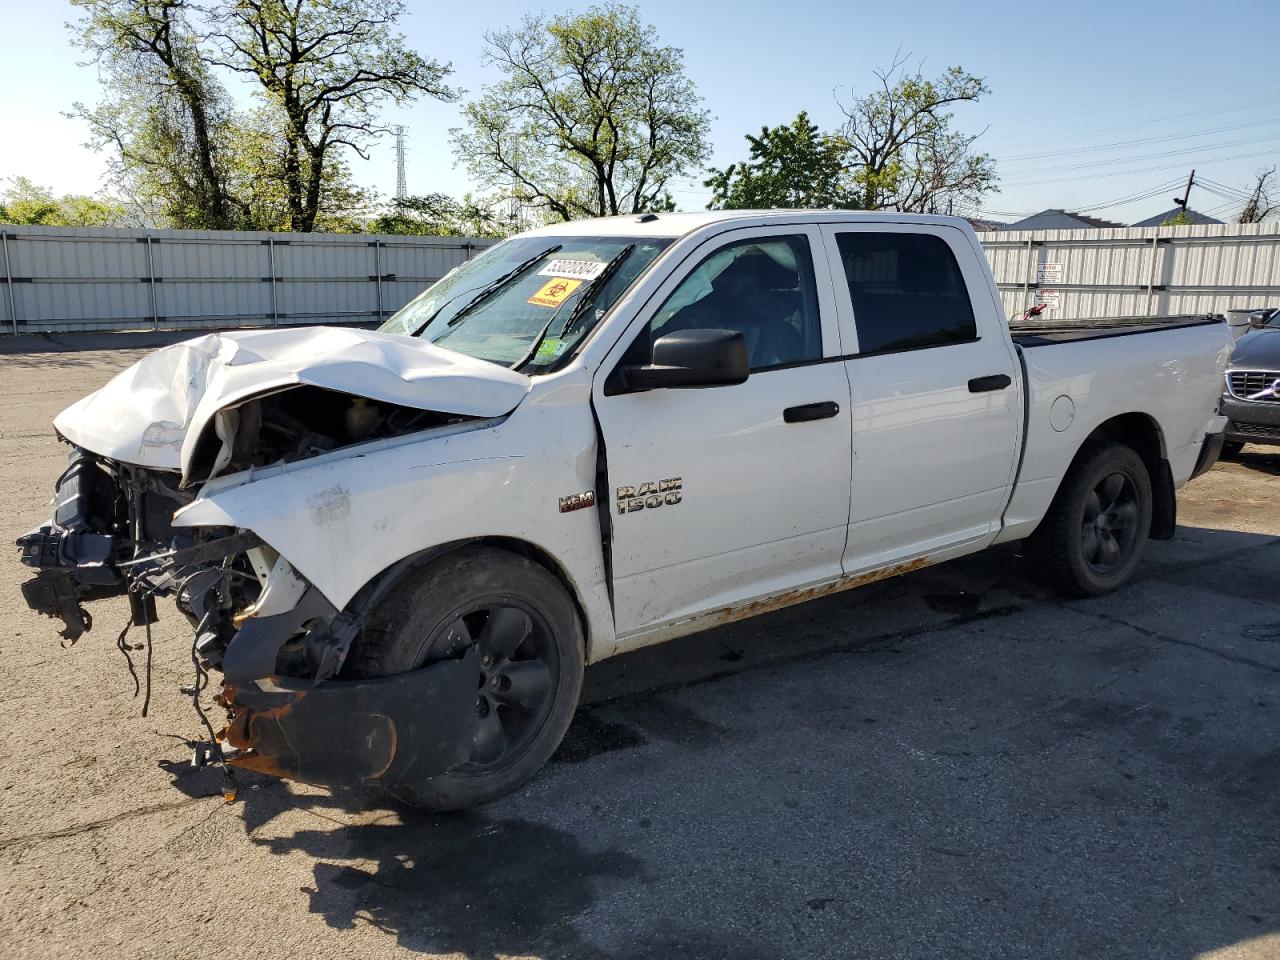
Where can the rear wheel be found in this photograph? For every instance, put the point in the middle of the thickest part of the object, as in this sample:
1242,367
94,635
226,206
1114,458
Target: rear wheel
1095,531
531,647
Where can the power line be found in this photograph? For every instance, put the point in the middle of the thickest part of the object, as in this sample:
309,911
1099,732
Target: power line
1141,140
1123,173
1132,197
1093,164
1083,135
1242,194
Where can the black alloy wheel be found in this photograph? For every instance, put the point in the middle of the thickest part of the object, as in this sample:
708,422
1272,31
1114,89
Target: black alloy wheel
1109,532
516,686
524,624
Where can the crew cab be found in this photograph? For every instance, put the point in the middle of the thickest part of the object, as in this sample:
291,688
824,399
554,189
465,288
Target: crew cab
400,547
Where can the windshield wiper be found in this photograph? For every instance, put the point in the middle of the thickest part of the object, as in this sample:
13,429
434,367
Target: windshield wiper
495,285
584,298
485,291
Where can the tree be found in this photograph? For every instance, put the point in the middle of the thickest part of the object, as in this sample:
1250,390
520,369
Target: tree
1261,203
258,179
28,203
165,116
793,165
903,153
439,215
326,65
593,116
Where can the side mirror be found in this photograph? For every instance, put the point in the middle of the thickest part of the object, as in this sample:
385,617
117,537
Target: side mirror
690,358
1260,318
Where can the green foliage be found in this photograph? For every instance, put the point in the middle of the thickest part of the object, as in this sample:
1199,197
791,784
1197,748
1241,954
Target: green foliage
165,119
901,150
593,116
1179,219
793,166
325,67
185,157
439,215
27,203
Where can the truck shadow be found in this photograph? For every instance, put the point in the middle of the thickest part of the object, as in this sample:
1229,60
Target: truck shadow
664,828
1260,459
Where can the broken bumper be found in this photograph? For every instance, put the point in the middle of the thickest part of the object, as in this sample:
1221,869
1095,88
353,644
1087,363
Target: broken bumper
278,641
389,730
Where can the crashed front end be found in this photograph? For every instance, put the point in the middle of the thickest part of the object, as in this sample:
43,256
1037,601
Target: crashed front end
279,643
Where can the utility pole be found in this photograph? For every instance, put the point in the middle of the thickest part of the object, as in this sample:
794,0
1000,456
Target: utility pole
402,189
1187,193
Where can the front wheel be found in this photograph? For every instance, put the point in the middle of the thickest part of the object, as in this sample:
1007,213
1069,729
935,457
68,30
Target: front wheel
531,661
1095,531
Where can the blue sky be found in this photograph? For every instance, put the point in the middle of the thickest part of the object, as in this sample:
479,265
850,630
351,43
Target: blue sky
1090,101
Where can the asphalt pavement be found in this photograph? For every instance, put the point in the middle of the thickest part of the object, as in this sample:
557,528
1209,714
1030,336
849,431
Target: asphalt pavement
955,763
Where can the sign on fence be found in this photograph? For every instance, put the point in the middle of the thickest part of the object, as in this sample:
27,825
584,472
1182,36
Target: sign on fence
1048,273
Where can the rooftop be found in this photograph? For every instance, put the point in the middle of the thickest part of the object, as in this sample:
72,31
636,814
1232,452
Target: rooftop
680,224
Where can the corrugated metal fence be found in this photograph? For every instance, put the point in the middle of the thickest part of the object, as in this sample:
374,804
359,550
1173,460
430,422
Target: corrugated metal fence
1137,271
60,279
73,278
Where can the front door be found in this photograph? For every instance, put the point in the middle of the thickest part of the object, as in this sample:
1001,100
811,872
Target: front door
723,494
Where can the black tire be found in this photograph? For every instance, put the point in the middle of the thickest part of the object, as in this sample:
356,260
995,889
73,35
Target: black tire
445,606
1087,546
1232,448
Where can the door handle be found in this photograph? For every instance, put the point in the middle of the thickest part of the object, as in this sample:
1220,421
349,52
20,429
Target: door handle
811,411
997,381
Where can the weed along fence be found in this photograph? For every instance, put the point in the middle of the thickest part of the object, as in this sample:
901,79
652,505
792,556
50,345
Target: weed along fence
72,278
1137,271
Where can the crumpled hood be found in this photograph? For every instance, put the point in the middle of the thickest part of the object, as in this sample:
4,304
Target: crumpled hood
1258,348
153,413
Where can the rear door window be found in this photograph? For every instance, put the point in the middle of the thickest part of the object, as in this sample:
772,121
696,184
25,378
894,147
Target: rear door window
907,291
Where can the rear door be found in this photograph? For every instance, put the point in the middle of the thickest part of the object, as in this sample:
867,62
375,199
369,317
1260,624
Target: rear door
936,391
723,494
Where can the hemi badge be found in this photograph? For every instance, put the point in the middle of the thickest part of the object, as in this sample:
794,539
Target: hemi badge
577,501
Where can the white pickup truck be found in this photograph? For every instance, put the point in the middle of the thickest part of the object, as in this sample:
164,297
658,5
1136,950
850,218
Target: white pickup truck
401,547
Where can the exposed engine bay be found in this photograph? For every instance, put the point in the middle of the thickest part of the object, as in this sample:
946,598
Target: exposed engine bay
297,423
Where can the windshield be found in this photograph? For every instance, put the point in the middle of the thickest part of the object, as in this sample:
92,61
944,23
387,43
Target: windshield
528,302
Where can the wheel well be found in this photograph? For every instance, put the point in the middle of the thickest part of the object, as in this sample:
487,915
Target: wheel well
384,580
1143,435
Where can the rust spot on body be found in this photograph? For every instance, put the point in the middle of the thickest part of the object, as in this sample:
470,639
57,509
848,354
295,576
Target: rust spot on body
792,597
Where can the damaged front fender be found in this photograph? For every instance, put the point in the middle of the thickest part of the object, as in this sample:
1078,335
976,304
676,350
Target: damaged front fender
388,730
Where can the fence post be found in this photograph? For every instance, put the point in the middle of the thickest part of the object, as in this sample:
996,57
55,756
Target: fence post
151,273
271,260
1027,277
8,282
1151,274
377,269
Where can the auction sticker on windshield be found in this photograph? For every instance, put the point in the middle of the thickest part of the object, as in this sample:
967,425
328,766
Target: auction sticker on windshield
574,269
554,292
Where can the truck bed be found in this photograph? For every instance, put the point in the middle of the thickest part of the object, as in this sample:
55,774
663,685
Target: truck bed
1040,333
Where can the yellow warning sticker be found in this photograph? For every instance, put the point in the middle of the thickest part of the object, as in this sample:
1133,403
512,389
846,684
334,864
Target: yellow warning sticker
555,292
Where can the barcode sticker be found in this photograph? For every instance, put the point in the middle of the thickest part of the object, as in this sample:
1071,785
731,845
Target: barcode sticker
573,269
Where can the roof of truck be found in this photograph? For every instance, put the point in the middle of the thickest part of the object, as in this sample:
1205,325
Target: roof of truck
680,224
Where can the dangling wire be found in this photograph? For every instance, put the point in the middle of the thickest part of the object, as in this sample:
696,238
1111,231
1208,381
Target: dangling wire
146,700
229,786
124,648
